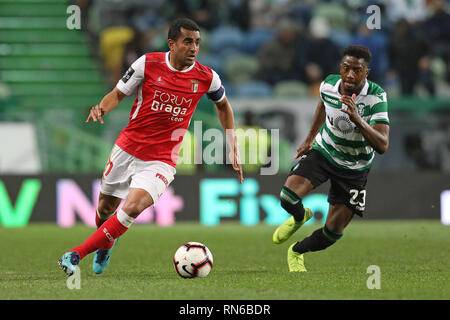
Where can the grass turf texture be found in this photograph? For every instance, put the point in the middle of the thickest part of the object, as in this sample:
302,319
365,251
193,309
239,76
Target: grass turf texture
413,257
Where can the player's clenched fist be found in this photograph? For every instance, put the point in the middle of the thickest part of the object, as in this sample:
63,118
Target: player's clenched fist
96,114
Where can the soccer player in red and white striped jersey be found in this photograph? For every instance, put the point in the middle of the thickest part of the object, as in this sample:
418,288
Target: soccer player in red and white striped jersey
142,162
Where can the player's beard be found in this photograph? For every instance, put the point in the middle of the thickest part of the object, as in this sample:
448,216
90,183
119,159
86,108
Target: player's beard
356,89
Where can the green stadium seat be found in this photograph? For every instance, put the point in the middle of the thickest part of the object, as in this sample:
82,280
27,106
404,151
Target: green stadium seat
50,75
46,49
290,88
42,88
240,68
33,9
60,76
41,36
61,102
33,23
47,63
336,15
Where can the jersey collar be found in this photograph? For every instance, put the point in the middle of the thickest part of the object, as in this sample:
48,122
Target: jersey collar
173,69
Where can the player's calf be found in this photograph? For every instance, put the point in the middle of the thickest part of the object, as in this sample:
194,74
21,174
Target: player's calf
292,203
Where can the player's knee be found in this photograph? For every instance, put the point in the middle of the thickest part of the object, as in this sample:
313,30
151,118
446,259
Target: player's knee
133,208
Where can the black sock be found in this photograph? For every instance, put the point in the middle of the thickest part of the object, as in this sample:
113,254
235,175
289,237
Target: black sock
292,203
319,240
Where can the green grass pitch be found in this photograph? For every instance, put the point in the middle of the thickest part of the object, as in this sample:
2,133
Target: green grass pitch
413,257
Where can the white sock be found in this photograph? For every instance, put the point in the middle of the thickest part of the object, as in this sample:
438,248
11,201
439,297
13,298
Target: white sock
124,218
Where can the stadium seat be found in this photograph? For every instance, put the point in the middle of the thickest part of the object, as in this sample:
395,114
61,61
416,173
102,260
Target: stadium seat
45,49
211,60
225,37
290,88
30,9
240,68
253,89
438,68
254,39
48,88
56,76
335,13
8,23
46,63
39,36
341,38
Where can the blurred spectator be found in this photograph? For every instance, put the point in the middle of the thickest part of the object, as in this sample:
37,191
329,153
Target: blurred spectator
437,30
264,14
84,6
377,44
204,12
317,56
133,50
413,11
240,13
113,41
277,56
408,54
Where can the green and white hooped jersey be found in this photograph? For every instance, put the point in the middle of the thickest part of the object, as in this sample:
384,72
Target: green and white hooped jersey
339,140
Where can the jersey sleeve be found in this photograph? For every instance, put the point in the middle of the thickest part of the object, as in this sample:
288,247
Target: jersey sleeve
216,90
379,111
320,90
133,77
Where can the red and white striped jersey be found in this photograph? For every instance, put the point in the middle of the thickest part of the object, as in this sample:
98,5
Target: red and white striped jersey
165,101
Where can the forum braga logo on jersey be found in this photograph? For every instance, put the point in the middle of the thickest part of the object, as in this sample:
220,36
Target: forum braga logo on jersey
170,103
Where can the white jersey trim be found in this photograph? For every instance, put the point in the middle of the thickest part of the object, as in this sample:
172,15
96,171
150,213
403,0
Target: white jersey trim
173,69
127,86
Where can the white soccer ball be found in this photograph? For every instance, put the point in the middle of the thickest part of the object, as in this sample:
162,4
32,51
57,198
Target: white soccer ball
192,260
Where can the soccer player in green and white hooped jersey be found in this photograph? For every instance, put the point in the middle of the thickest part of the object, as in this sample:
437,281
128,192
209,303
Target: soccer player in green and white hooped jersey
350,123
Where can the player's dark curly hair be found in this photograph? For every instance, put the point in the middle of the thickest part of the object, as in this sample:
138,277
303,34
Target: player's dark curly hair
176,25
359,52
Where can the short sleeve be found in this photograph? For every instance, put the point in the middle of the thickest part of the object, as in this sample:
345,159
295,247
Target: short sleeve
133,77
379,111
216,90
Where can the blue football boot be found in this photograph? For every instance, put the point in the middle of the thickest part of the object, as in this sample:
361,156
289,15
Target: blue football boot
101,259
69,261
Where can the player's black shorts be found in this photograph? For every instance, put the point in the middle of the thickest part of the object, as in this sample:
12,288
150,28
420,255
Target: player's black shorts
347,186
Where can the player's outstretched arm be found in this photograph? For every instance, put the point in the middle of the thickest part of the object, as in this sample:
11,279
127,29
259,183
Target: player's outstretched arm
108,103
226,118
318,121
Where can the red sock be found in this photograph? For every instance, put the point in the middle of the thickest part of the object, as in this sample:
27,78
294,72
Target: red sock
103,238
99,221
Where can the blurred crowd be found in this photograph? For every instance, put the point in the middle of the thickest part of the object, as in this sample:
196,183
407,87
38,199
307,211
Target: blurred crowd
282,47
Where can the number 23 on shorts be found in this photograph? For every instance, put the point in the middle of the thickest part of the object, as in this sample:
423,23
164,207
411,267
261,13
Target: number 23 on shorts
358,198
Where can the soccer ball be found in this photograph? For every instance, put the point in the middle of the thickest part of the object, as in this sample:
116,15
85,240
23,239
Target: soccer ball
192,260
